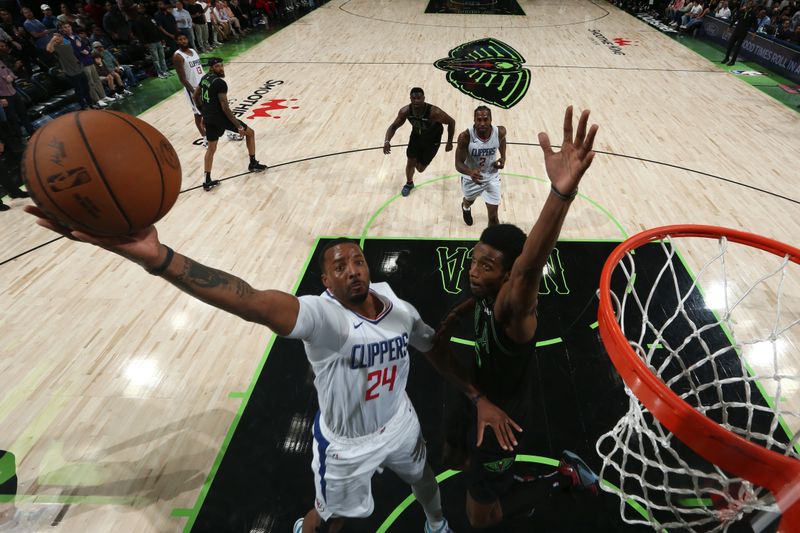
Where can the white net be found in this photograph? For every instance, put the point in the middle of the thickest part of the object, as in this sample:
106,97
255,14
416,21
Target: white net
725,341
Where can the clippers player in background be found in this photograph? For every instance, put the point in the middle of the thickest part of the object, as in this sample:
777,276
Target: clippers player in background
357,337
190,72
426,135
211,96
477,161
504,280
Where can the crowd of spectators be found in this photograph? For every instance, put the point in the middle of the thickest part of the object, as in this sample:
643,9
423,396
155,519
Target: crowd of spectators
96,52
778,19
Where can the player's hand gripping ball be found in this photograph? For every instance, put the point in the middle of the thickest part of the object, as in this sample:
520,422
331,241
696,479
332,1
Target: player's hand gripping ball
102,172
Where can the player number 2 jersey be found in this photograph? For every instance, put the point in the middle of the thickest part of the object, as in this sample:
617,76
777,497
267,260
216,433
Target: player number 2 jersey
360,365
482,154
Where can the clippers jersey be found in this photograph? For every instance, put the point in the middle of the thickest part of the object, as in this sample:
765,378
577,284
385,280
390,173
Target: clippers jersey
192,67
482,154
360,365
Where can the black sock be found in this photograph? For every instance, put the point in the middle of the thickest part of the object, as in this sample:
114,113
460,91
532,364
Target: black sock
208,177
523,497
253,159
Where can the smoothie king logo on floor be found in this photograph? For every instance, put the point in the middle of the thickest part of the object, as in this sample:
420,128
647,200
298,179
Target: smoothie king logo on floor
614,45
251,104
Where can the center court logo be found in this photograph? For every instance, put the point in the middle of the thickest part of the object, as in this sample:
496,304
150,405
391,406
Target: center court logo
488,70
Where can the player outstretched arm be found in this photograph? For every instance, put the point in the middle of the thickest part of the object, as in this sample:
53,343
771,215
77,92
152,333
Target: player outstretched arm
461,156
516,303
440,116
443,359
402,115
275,309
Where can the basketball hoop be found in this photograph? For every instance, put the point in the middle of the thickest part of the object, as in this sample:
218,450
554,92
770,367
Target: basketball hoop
702,442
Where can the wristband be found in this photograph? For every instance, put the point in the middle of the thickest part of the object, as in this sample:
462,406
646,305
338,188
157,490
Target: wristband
475,399
561,196
160,269
386,142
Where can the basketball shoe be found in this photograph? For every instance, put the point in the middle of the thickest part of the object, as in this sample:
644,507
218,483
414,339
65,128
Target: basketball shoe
577,472
444,529
255,166
467,214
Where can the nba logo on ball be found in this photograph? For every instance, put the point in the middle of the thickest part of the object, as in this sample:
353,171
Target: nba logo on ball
102,172
72,178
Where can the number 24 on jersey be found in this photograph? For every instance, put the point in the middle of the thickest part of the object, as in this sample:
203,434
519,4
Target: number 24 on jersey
380,378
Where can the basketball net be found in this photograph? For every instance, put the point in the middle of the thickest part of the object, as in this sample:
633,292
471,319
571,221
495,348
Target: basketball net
710,366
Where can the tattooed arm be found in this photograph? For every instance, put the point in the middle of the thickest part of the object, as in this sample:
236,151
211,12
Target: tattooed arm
275,309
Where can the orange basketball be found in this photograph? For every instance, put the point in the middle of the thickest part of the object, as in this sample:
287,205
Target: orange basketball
102,172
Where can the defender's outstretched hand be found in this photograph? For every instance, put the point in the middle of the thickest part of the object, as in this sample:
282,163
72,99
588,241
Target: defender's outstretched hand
503,426
566,168
141,247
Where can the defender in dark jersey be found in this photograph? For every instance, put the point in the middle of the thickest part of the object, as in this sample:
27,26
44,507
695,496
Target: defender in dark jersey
211,97
504,279
426,135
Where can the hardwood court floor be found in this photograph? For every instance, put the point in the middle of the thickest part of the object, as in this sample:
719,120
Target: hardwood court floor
118,391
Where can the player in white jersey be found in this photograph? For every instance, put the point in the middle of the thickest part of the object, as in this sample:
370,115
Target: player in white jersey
356,337
477,161
190,72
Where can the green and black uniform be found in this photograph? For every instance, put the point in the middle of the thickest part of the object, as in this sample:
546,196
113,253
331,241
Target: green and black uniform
426,135
502,375
214,118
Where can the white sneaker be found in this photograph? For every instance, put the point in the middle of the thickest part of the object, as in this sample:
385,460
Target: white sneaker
298,526
118,96
101,103
126,92
108,99
444,529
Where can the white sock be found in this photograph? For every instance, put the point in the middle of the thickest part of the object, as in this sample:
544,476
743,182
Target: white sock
436,527
426,490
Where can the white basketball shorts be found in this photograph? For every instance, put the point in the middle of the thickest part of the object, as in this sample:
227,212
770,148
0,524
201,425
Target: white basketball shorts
489,190
343,467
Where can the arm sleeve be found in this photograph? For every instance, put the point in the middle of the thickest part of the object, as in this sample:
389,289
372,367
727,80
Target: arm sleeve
421,333
317,325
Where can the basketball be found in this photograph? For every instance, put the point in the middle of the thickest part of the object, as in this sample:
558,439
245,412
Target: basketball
102,172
